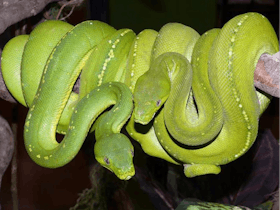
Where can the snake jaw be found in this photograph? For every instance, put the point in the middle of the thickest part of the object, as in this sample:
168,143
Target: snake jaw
126,175
121,174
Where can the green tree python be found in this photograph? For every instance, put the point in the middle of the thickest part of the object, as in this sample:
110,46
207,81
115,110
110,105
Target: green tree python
60,65
218,126
229,57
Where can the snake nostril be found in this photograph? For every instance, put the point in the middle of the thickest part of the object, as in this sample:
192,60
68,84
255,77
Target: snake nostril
106,160
158,102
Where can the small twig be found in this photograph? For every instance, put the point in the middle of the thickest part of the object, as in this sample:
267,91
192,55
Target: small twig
150,187
74,3
70,13
161,195
60,10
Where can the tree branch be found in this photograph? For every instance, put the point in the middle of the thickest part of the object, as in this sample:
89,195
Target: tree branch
267,74
266,77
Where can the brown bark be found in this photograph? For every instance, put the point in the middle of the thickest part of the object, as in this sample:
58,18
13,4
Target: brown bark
6,146
13,11
267,74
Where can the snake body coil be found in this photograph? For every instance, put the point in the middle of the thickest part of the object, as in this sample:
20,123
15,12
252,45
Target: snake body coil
60,66
231,76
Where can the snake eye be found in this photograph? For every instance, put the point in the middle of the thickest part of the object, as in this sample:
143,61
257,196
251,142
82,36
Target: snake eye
158,102
132,152
106,160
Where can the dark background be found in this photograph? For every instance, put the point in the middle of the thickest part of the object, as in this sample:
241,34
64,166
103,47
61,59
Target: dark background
41,188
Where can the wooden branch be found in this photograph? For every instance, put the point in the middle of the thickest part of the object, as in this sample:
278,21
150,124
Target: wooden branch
266,77
267,74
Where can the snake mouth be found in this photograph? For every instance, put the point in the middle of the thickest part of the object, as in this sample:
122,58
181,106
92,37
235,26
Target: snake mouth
127,175
121,174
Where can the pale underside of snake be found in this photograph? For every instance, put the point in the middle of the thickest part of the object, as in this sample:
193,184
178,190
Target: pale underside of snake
202,87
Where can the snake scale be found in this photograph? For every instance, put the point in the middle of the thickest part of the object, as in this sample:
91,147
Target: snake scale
196,92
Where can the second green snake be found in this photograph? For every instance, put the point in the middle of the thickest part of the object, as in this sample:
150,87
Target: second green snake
228,104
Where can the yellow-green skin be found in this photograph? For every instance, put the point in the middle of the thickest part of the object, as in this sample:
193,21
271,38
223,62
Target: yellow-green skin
71,50
232,54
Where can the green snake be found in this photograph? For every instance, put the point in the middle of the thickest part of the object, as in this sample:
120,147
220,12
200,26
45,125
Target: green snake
227,57
107,55
58,52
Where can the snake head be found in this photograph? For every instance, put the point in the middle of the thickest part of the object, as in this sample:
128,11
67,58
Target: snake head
149,95
115,152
